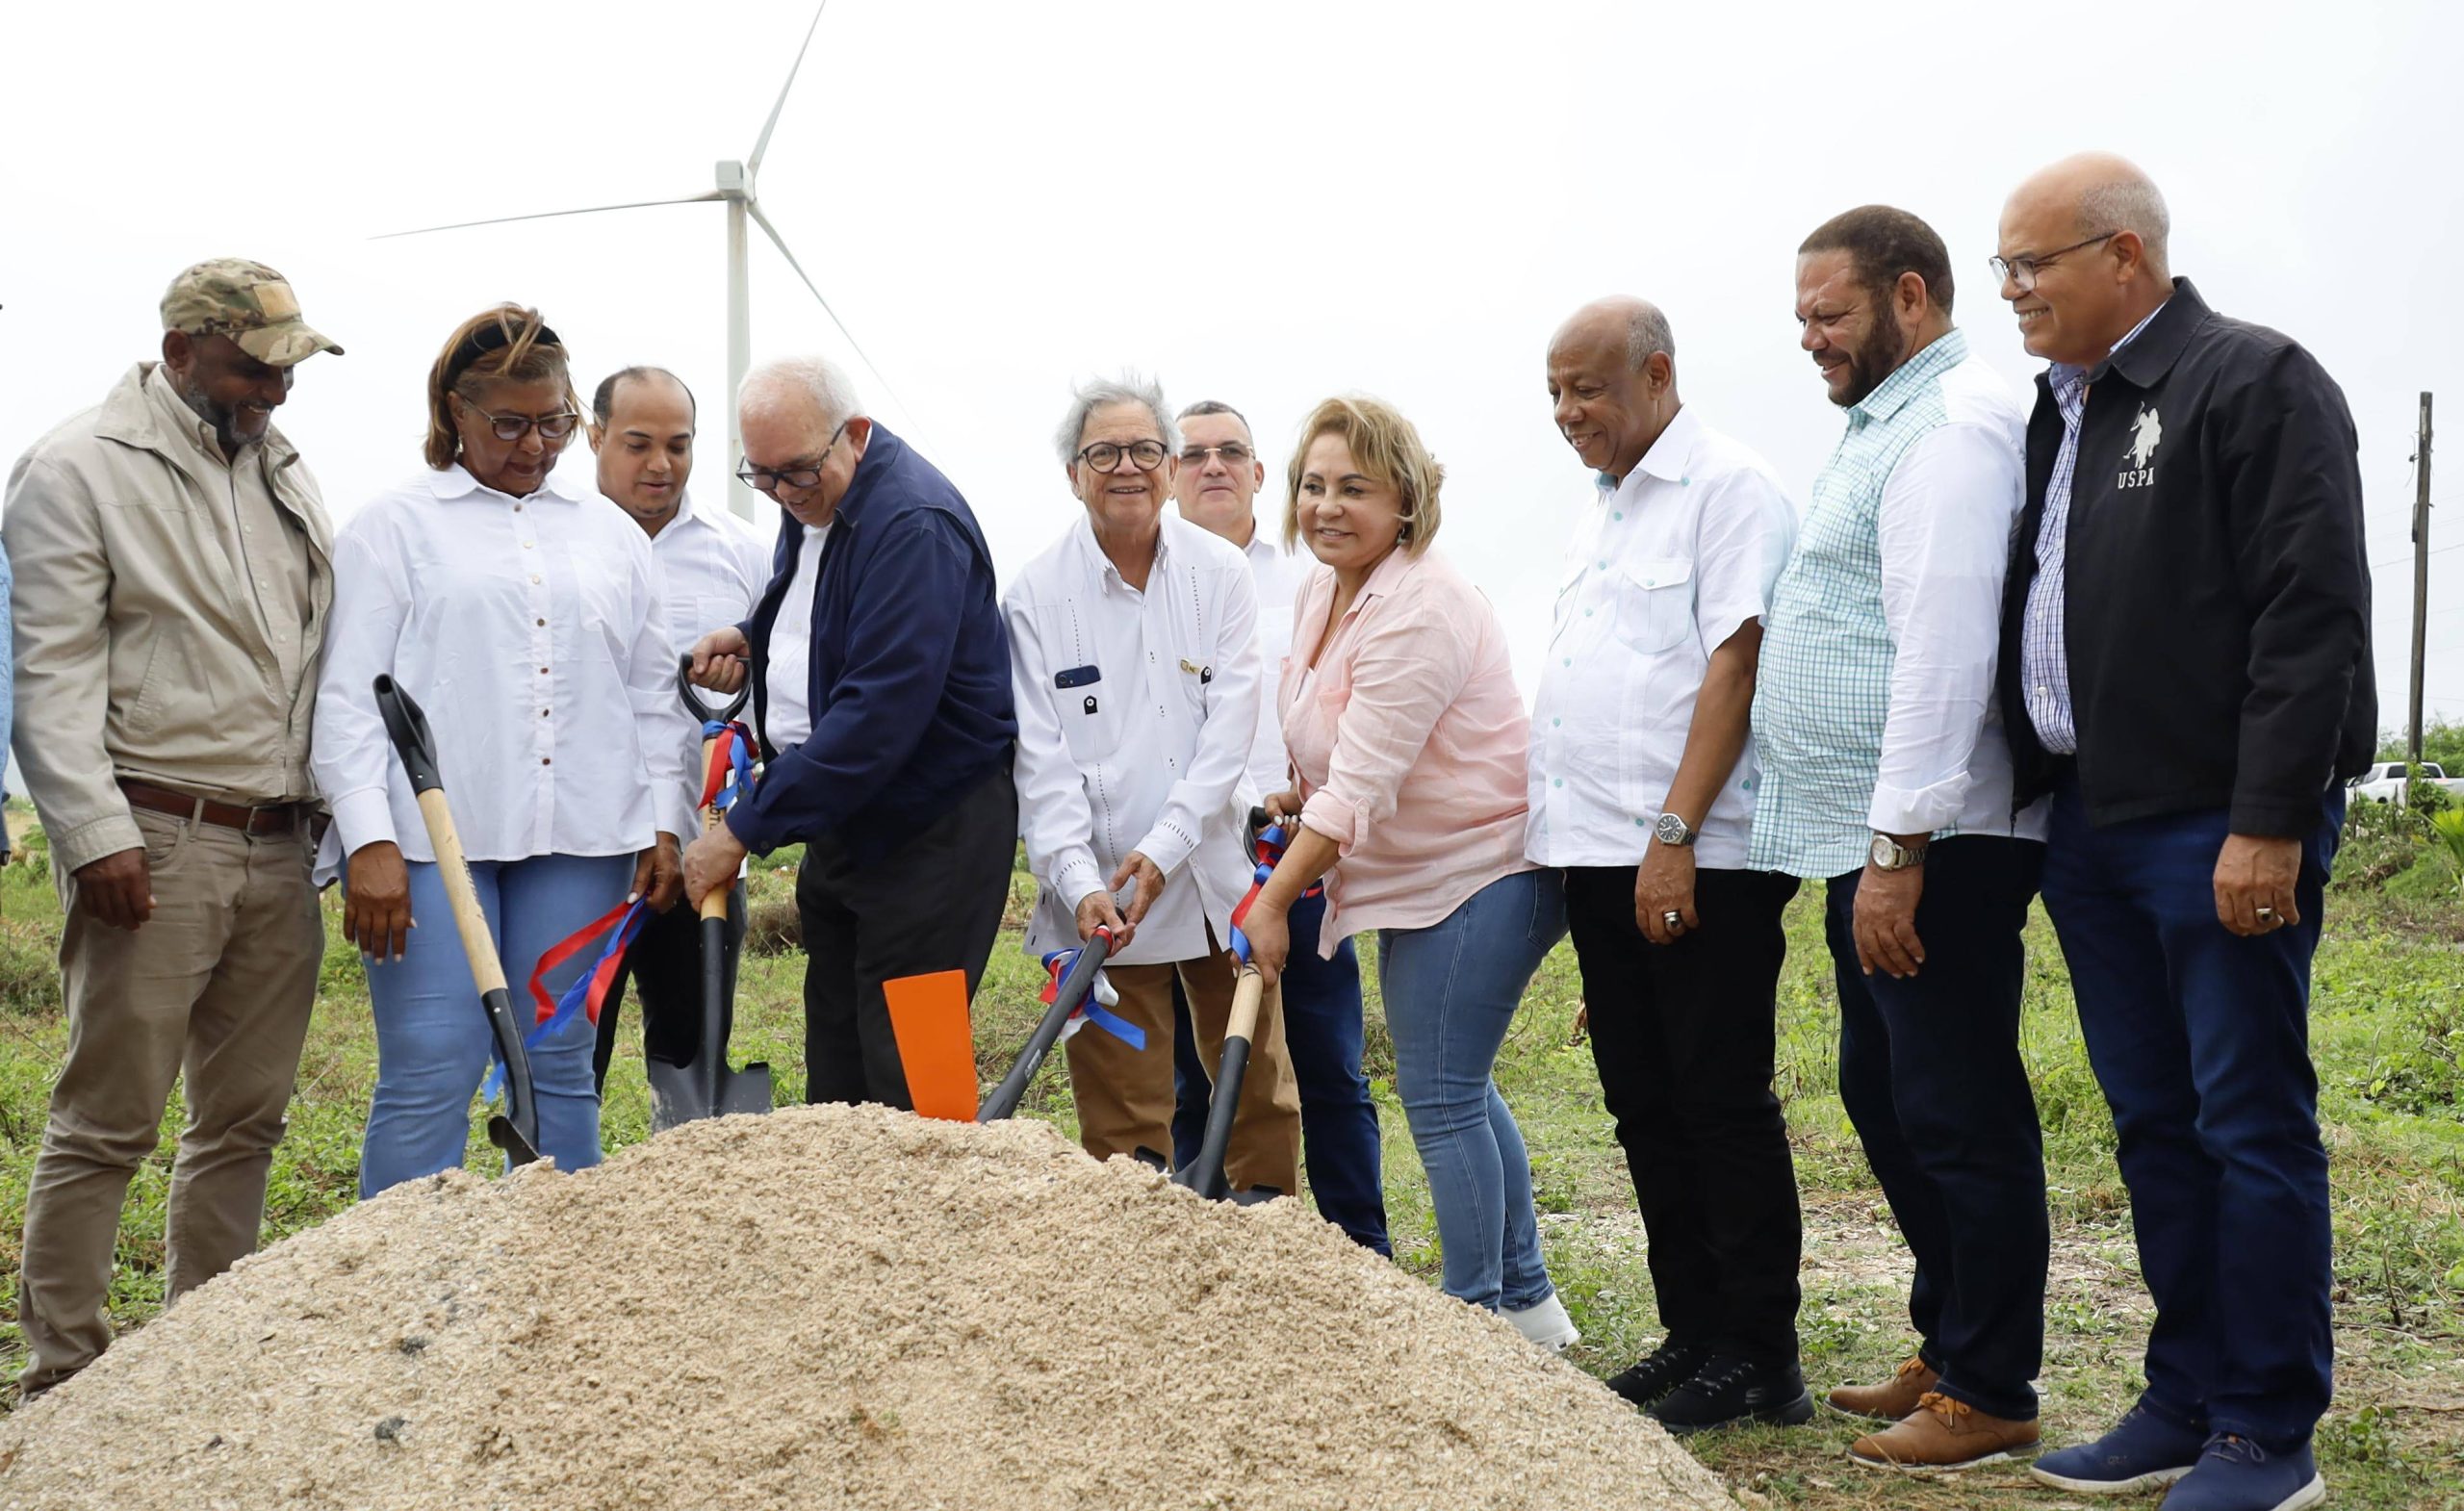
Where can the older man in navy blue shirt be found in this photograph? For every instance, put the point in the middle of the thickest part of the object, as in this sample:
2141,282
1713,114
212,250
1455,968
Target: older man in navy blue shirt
881,684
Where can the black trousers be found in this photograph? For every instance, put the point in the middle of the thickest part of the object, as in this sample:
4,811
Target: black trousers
1930,1075
665,965
1683,1036
934,904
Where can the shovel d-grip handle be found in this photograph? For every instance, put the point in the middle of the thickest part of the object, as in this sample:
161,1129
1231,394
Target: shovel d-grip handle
1076,983
694,704
517,1132
714,902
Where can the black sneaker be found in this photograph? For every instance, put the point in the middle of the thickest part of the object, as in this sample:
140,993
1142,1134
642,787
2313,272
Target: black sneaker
1729,1389
1666,1368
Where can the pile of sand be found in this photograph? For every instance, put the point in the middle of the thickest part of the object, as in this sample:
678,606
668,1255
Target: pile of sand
832,1307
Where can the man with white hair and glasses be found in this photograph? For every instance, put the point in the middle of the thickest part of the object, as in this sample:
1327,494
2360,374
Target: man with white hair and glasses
1134,648
880,693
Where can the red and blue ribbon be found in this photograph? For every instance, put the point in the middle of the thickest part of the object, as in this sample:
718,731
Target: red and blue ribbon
588,991
732,756
1057,965
1272,844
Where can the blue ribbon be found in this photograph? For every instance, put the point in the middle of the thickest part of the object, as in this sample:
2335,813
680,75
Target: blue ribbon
1097,1013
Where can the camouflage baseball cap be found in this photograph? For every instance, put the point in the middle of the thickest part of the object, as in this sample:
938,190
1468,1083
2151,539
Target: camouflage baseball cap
248,302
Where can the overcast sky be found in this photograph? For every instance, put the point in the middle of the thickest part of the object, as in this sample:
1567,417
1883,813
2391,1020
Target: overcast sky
1261,202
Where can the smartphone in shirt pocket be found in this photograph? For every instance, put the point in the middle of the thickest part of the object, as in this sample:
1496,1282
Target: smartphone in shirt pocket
1090,715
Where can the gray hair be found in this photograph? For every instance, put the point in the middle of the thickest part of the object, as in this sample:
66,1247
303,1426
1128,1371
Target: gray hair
1647,332
816,378
1130,388
2127,203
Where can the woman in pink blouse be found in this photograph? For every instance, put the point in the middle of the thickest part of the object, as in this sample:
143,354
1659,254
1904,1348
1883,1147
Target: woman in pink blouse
1410,739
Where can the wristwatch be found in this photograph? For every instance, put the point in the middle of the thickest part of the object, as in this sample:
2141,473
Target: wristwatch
1889,854
1671,829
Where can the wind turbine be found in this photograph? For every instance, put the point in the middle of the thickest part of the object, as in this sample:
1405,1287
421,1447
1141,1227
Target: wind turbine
735,190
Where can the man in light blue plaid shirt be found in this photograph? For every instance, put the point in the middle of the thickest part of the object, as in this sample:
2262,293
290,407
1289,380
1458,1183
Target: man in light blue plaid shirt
1884,775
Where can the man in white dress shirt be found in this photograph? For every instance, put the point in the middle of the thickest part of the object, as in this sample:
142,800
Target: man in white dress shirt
1216,490
712,568
1886,776
1642,789
1133,643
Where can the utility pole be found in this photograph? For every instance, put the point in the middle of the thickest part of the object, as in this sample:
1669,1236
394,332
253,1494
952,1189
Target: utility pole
2420,576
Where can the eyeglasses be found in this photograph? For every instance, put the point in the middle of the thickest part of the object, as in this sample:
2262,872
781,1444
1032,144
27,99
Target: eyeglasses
763,480
2022,270
1233,452
1104,456
513,427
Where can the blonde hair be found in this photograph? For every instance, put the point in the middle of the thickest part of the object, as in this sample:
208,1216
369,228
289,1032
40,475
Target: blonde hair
1387,448
507,343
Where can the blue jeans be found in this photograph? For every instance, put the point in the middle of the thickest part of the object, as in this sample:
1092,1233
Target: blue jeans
1451,990
2202,1042
1321,1033
433,1046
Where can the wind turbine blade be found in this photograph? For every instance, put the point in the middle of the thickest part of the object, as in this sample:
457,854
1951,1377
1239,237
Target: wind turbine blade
752,163
551,215
753,207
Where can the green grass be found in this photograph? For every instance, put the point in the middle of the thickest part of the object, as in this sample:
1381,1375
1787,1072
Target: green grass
2389,1033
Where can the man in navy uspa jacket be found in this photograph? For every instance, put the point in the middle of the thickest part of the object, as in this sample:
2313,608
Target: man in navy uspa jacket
881,687
2186,667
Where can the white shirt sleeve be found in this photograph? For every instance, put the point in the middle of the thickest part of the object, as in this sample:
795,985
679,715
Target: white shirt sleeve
1222,757
650,683
1053,817
1944,530
1741,545
352,755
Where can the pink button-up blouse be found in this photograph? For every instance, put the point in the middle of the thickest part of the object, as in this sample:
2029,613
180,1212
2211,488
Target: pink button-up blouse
1410,742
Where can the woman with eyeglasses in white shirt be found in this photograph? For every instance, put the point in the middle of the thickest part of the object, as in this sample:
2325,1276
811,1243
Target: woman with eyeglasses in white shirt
523,614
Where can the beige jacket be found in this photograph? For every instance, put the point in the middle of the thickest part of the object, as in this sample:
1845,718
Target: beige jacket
141,651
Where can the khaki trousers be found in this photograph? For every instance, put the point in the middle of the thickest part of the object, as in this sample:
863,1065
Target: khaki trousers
1124,1095
214,990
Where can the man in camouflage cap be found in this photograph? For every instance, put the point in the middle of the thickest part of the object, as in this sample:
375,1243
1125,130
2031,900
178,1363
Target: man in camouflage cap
173,582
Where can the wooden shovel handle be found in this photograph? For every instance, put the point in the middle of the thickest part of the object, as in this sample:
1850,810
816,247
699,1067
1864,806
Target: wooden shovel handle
715,901
453,869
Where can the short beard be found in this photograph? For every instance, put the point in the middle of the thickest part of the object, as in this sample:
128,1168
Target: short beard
224,417
1875,358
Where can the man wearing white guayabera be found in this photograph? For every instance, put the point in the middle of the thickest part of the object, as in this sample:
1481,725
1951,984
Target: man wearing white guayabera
1134,657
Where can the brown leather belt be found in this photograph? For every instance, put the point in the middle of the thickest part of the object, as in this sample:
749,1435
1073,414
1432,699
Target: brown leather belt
280,818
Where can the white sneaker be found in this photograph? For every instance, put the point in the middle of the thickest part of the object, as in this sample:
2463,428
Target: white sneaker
1546,1324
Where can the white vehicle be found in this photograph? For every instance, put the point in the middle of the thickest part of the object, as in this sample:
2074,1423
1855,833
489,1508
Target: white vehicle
2385,782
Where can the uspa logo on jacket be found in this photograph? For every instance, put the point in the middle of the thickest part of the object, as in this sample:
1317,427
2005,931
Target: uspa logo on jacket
2146,433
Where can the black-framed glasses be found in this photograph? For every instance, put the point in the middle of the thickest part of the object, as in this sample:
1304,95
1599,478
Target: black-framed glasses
1233,452
1105,456
2022,270
557,426
762,479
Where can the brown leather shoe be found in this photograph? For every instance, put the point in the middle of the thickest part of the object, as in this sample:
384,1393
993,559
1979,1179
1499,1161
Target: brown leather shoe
1943,1434
1892,1400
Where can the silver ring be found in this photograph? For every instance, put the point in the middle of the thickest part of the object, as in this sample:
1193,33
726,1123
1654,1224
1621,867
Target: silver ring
1672,920
2267,914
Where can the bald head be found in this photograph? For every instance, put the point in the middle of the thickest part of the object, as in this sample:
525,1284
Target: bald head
2081,298
2102,191
1612,375
1638,323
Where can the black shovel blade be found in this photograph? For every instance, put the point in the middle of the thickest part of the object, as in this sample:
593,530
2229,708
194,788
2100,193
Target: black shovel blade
746,1090
678,1093
502,1133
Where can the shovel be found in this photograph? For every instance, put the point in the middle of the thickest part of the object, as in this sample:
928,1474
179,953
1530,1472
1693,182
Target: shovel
1076,983
516,1129
1204,1174
707,1087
